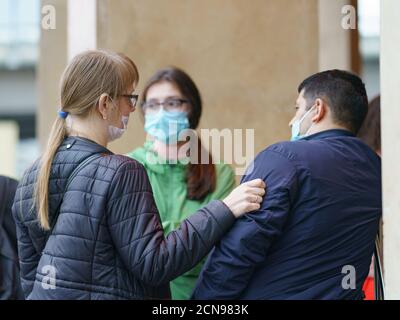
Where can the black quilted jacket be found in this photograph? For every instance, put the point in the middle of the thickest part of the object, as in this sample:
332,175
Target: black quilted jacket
10,287
108,242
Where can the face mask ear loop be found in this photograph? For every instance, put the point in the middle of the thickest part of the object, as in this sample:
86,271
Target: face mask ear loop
303,117
306,134
115,107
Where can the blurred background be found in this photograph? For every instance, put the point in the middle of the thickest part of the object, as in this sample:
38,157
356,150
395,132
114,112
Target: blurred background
246,57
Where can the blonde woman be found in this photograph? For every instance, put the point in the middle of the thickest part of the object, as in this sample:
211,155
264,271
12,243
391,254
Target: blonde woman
87,223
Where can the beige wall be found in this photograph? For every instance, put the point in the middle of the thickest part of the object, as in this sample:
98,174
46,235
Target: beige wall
334,41
390,111
246,59
52,61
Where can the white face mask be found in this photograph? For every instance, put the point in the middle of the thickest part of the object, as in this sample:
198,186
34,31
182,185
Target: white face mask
115,133
296,127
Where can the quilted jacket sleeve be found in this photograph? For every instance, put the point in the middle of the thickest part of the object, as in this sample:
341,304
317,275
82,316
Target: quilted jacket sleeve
138,235
28,257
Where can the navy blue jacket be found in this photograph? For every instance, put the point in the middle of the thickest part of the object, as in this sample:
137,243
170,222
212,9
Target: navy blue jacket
314,231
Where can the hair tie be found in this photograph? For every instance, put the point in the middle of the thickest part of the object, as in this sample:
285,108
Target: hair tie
63,114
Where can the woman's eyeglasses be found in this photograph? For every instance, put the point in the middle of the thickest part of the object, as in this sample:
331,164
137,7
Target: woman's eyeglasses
168,105
133,98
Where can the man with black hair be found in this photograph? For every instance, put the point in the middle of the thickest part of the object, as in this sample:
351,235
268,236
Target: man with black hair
313,237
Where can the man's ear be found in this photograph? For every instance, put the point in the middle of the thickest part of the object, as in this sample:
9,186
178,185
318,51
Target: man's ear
321,111
102,105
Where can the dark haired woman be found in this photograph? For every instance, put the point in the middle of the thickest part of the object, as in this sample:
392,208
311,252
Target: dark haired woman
171,104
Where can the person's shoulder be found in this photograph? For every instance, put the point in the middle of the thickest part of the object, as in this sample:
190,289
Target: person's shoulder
277,159
138,154
283,149
365,148
118,162
124,175
127,175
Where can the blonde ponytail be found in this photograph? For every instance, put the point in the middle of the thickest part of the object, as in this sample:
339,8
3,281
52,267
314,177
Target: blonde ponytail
88,75
57,135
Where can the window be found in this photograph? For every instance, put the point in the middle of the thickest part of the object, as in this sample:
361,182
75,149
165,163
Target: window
19,33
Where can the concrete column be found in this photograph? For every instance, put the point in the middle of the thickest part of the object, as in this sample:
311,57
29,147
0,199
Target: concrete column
334,41
76,31
390,113
52,61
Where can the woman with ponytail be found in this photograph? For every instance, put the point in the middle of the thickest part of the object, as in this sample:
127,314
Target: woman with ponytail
171,104
87,223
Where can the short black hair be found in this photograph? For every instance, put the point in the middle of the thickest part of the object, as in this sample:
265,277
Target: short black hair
343,91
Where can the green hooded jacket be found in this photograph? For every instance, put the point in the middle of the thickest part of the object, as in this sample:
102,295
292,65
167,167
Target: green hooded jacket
170,194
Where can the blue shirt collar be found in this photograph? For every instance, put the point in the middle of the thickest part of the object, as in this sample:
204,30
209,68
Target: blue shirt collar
329,133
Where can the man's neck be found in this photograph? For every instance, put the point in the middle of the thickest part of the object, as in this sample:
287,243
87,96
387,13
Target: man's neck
322,127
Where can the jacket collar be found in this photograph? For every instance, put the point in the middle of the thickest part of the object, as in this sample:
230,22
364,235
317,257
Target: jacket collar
83,144
329,134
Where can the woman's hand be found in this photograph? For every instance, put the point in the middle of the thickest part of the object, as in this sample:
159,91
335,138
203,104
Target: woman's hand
246,197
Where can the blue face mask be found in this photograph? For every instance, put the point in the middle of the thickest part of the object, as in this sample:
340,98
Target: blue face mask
166,125
296,127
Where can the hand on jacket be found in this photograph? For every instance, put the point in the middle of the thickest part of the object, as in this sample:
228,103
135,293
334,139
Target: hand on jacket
246,197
